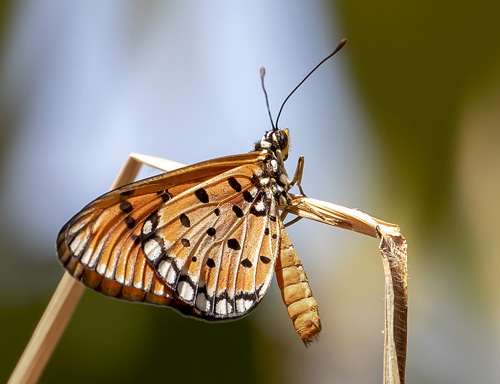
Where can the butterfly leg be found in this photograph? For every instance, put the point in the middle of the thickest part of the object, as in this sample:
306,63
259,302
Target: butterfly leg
291,221
297,177
297,180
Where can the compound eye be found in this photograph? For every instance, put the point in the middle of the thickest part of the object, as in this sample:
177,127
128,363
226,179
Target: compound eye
282,139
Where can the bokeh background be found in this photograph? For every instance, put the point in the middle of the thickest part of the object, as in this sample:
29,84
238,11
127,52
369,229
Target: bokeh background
403,124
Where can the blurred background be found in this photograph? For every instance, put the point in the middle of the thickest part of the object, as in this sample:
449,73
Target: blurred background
403,124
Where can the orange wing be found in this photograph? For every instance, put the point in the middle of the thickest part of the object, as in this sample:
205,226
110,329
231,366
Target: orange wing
134,242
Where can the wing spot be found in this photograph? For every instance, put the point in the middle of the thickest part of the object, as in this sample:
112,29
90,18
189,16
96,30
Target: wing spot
202,303
194,259
274,236
147,227
185,243
243,305
185,290
152,250
185,220
210,262
163,268
165,197
234,184
247,196
237,211
130,221
171,275
266,232
221,307
125,206
136,239
233,244
258,209
246,263
211,231
265,259
217,211
202,195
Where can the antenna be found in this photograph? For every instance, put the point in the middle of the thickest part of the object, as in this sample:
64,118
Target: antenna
339,47
262,74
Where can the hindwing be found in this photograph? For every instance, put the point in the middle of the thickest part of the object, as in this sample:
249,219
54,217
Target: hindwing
198,239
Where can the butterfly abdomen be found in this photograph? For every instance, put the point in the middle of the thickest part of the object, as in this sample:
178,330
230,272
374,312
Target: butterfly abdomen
296,291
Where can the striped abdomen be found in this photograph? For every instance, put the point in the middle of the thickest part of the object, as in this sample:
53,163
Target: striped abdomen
296,292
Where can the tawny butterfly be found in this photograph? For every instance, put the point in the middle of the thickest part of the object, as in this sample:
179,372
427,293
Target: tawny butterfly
203,239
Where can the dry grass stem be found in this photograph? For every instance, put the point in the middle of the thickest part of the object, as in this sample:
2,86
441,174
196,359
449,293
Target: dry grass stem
59,310
392,246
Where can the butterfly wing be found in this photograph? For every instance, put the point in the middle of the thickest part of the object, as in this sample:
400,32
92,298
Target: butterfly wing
215,244
132,243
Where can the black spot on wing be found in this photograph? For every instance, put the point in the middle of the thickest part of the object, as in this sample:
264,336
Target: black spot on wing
210,262
234,184
202,195
247,196
165,196
265,259
237,211
233,244
130,221
246,263
125,206
185,220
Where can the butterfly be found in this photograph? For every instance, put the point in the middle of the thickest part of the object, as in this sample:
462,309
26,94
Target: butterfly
204,239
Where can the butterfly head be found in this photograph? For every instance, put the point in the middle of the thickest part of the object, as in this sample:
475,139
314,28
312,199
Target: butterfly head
277,141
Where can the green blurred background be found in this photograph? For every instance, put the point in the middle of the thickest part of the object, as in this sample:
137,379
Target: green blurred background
403,124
